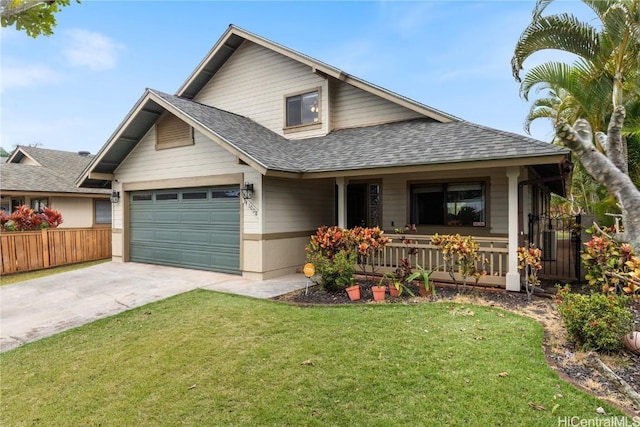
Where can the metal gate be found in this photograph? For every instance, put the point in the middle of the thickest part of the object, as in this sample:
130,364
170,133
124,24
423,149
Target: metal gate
559,236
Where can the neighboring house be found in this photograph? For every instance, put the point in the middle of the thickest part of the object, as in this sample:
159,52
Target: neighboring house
316,146
41,178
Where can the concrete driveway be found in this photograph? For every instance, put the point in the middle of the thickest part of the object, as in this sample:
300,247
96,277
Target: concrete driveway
42,307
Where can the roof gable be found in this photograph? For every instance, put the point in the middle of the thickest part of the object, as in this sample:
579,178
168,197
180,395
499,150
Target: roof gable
233,38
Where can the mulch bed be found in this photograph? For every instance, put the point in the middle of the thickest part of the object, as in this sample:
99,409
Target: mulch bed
562,355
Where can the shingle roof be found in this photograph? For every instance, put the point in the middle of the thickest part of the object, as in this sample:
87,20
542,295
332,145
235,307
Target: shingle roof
57,172
406,143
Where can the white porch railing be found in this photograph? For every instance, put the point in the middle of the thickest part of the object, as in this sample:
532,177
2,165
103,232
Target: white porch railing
493,253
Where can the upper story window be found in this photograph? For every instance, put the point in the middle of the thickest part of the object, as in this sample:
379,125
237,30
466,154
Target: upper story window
302,109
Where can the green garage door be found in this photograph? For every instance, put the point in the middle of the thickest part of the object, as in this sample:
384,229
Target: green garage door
189,227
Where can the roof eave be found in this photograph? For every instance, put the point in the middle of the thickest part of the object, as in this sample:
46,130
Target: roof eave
438,167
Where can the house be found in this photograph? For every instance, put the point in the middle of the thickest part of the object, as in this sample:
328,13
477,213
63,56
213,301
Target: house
40,178
263,144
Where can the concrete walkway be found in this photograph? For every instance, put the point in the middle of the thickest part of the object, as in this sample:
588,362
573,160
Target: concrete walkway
42,307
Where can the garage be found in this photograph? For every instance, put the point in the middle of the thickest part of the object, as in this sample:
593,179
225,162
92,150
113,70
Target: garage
190,227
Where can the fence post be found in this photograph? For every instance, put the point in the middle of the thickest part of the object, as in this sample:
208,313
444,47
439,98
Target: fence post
45,248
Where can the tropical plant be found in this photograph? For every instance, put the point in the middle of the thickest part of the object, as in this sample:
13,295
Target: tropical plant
597,321
461,254
424,276
369,243
332,253
23,218
529,259
612,266
604,78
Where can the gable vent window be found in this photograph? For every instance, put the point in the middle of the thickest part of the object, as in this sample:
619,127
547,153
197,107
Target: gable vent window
172,132
303,109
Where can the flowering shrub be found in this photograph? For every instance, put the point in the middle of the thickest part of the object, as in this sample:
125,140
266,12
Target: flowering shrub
23,218
461,253
597,321
530,260
611,265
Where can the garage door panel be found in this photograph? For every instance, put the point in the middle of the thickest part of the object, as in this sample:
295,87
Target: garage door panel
196,233
194,237
166,216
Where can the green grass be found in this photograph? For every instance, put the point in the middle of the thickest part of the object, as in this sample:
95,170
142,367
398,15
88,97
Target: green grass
21,277
205,358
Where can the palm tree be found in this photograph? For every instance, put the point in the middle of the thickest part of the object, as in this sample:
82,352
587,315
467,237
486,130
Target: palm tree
607,71
604,78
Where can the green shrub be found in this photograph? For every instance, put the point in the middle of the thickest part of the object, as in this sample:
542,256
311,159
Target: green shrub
337,274
596,321
333,253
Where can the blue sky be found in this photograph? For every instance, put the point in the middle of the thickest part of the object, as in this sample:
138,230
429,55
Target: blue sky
71,90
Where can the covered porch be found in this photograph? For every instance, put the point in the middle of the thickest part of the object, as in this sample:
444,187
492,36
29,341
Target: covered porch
485,203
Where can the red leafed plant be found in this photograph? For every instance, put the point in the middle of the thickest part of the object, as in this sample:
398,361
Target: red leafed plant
23,218
52,217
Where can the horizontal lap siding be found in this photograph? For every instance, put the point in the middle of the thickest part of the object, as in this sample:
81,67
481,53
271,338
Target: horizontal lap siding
353,107
294,205
253,83
204,158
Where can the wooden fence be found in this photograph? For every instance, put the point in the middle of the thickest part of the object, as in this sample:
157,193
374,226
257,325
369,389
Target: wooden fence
52,247
494,254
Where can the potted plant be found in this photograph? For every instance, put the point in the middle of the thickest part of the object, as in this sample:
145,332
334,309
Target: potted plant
425,287
396,285
379,291
353,290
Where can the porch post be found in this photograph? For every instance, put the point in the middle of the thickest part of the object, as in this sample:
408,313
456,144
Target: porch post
342,205
513,276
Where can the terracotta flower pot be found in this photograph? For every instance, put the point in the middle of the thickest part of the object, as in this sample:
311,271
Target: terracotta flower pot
353,292
423,291
393,291
379,292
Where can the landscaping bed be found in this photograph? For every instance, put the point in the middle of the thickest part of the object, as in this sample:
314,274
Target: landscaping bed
562,355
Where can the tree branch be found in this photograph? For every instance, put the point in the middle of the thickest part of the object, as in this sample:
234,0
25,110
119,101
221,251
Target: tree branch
579,140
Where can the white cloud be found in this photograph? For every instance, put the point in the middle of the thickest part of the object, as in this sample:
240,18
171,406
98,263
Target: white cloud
92,50
14,75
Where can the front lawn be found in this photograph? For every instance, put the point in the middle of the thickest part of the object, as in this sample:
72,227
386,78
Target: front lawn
205,358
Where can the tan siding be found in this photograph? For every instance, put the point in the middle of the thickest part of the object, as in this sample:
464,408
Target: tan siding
76,212
353,107
253,83
298,205
203,158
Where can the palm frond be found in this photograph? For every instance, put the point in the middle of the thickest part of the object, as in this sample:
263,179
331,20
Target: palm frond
564,32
